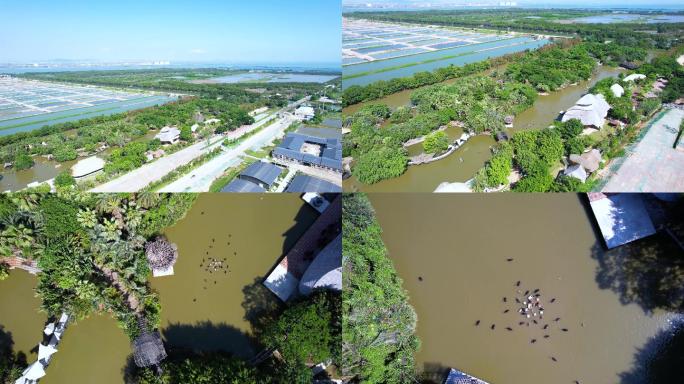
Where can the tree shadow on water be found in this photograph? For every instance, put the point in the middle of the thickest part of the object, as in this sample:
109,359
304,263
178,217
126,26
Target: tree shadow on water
660,361
11,363
433,373
207,336
183,341
261,306
648,272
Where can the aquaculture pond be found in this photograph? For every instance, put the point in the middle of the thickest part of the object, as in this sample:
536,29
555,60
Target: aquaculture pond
227,244
269,78
627,18
408,65
469,158
466,259
8,127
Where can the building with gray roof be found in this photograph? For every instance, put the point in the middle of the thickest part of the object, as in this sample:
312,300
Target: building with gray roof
325,270
242,186
306,183
311,150
261,173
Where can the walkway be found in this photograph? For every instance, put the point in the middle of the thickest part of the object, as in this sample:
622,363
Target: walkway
201,178
652,165
141,177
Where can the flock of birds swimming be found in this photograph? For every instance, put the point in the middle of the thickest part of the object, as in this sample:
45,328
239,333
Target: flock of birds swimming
527,306
214,268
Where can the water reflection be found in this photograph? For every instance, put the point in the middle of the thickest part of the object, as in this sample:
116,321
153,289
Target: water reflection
453,254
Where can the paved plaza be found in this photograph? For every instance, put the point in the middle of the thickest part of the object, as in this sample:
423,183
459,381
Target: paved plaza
652,165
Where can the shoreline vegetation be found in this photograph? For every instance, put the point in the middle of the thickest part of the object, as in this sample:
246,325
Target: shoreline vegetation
374,146
378,334
94,254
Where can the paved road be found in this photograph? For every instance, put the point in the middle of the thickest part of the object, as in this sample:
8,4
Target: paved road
653,165
200,179
141,177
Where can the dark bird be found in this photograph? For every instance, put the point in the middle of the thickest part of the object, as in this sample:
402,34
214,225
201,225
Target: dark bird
517,300
477,323
556,319
564,329
517,284
576,382
505,300
194,300
521,323
546,336
546,326
506,311
493,326
536,290
509,259
553,358
533,341
420,278
509,328
527,292
552,300
534,321
203,212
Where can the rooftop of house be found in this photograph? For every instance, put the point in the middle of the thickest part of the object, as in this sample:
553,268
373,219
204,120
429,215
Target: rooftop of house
87,166
264,172
590,109
306,183
242,186
330,154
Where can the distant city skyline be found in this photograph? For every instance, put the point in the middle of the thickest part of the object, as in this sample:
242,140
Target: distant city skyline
670,4
258,32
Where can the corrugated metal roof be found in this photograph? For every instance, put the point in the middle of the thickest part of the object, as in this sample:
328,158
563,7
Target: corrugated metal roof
242,186
306,183
266,173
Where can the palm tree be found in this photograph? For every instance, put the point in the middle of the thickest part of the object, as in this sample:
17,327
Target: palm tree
18,240
147,199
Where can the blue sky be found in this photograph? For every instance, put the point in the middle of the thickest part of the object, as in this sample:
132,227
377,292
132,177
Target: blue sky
231,31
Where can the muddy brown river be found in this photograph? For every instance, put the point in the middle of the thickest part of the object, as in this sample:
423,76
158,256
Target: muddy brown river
452,253
199,309
467,160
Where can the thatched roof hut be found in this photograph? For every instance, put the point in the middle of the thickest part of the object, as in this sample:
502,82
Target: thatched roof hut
161,254
148,349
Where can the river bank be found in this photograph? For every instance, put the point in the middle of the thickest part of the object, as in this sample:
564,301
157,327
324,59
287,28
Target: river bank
470,157
610,332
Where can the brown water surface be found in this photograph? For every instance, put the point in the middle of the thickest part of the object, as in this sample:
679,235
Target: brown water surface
452,253
200,310
19,311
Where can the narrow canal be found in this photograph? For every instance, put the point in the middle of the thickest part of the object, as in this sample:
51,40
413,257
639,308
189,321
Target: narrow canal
452,253
202,310
464,162
44,169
